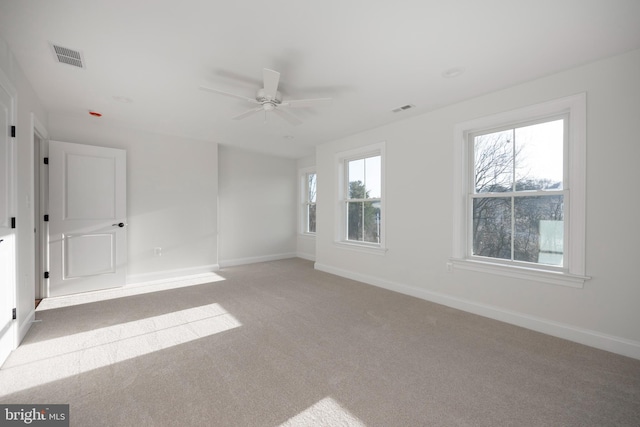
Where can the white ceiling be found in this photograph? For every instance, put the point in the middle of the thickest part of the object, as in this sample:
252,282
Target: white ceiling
370,56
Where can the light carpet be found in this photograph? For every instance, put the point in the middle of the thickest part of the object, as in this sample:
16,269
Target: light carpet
281,344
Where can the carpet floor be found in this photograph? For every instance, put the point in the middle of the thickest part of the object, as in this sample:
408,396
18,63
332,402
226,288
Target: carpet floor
281,344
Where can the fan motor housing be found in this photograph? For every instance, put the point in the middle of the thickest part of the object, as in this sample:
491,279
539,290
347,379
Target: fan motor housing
260,97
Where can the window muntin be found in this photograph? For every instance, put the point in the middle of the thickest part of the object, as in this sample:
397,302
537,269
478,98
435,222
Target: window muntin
517,205
363,199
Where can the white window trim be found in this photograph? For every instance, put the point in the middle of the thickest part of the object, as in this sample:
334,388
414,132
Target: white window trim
341,214
302,201
573,274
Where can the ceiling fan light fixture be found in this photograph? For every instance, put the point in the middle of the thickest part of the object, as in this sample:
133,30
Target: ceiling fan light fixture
269,99
261,96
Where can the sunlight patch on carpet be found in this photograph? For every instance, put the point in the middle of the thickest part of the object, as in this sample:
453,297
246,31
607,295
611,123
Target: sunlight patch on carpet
54,359
326,412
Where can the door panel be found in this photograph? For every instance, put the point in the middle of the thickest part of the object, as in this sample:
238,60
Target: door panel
87,203
93,198
89,254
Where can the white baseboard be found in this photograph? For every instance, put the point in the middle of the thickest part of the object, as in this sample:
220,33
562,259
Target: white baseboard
588,337
171,274
11,340
24,326
253,260
307,256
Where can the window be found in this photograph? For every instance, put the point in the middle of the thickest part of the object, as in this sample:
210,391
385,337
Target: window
517,202
361,209
309,204
521,178
363,199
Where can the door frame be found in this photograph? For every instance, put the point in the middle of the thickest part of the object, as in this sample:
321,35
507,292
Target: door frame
40,205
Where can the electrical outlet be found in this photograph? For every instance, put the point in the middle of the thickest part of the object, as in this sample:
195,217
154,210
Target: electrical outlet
157,251
449,267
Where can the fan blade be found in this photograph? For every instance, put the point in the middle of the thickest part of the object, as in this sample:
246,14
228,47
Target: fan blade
247,113
298,103
288,117
271,79
233,95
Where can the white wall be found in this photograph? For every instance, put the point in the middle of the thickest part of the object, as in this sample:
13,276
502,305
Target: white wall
419,212
305,243
28,105
172,190
257,207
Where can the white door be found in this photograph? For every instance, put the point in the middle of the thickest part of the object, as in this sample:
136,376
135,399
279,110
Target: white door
7,233
87,218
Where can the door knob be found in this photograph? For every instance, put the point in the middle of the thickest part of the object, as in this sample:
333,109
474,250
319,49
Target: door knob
120,224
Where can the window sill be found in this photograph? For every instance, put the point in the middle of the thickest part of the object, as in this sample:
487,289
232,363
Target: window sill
361,247
310,236
552,277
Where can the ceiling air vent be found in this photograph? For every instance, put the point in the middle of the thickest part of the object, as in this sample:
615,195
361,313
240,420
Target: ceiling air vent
403,108
68,56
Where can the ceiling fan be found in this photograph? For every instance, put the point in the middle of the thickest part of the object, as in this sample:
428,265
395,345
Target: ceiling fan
270,99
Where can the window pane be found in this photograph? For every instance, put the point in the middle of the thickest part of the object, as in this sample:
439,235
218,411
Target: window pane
311,218
311,182
357,190
363,221
492,227
356,179
539,158
493,162
539,229
372,168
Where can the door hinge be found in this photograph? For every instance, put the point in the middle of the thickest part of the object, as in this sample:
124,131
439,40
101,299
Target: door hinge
46,160
46,274
46,218
13,131
14,314
13,222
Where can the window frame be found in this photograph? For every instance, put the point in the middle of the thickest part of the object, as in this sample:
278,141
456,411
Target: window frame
572,273
342,160
305,203
514,194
